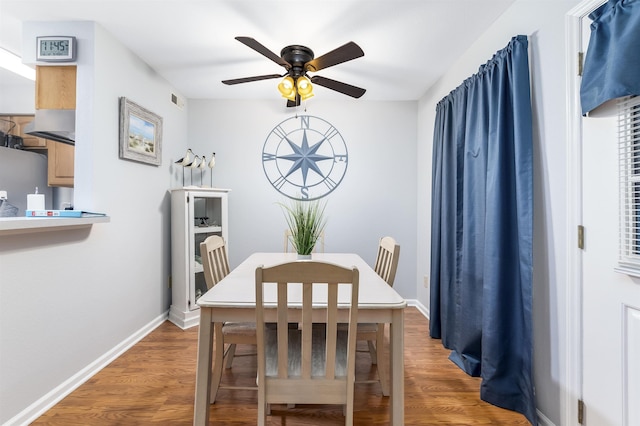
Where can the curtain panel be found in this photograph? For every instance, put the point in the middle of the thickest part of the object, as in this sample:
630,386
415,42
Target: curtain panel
612,63
482,225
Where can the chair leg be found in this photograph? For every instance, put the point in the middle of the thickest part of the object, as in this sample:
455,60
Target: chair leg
218,359
231,352
383,361
348,407
263,407
372,352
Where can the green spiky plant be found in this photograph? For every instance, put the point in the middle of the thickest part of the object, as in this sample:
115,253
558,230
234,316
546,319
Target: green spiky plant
306,223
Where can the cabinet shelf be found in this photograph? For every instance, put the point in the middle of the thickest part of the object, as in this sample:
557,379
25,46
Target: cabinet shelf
207,229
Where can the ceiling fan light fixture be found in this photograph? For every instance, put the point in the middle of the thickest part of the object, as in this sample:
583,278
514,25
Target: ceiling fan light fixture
305,88
297,60
287,88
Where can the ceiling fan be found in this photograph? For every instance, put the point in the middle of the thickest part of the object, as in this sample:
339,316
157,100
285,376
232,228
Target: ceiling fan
298,61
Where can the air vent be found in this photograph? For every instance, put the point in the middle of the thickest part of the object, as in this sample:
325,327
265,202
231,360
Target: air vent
177,100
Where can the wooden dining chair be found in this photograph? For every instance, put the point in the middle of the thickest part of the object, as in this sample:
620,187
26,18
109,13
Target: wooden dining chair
385,266
288,247
215,262
316,364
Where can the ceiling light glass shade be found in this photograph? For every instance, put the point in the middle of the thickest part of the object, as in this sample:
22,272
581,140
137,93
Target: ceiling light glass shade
287,88
305,88
13,63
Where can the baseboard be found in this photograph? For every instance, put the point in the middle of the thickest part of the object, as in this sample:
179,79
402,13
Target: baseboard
417,304
38,408
184,320
542,419
43,404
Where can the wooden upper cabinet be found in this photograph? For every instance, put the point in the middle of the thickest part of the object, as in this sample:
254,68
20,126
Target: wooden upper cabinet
60,159
56,87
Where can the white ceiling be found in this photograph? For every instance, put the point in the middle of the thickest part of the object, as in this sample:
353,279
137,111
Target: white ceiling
408,44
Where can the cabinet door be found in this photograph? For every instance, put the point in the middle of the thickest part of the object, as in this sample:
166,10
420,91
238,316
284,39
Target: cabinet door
60,164
205,212
55,87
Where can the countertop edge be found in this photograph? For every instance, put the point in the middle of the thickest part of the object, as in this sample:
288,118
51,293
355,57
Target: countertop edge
23,225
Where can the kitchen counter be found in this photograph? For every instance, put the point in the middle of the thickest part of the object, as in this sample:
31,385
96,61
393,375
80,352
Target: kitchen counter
27,225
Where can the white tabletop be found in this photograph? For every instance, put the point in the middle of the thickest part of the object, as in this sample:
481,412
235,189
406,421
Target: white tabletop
238,288
233,299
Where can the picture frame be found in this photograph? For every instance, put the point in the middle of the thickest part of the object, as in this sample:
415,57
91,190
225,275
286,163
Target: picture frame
140,133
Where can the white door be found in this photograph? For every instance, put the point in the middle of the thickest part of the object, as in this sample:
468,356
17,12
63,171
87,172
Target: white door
610,299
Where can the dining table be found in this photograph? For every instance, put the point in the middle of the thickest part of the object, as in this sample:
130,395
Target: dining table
233,299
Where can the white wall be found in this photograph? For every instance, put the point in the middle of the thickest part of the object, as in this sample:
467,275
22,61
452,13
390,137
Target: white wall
17,98
543,22
376,197
69,298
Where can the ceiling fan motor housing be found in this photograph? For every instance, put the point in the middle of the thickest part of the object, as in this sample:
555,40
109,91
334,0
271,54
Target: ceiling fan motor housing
297,56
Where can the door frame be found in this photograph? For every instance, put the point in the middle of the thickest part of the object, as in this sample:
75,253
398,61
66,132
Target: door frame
573,297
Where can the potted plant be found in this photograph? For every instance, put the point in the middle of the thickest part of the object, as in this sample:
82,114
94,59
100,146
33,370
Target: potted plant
306,223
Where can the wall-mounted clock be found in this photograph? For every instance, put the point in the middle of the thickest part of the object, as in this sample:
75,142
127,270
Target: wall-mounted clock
56,49
305,157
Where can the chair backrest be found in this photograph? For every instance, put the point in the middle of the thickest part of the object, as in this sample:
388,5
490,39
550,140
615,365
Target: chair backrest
215,262
288,247
387,259
312,363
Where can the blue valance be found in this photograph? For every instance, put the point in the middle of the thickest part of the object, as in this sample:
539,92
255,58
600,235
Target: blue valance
612,64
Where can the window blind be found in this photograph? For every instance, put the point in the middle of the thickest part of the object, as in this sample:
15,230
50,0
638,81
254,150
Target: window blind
629,172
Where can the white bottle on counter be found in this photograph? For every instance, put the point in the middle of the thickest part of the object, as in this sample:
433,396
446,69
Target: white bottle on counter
35,201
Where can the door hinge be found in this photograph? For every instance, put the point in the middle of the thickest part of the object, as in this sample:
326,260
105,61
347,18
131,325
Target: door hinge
581,237
580,411
580,62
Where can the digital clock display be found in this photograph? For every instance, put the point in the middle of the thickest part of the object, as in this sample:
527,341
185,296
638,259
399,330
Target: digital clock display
56,49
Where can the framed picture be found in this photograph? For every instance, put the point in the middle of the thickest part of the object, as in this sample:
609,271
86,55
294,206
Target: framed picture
140,133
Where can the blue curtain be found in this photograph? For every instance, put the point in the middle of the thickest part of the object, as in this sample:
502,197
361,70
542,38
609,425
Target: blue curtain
482,224
612,64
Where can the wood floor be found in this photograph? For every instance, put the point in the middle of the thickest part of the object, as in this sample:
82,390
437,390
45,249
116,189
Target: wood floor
154,382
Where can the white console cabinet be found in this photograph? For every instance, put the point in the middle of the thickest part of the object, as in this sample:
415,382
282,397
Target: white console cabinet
196,213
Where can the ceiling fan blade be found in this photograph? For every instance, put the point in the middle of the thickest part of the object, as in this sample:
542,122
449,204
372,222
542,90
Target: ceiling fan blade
255,45
342,54
338,86
250,79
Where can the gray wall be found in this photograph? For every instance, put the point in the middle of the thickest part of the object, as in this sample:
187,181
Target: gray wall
543,22
376,197
68,300
71,301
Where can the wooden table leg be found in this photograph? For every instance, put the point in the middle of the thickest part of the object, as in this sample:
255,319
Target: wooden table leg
203,369
383,362
218,363
396,352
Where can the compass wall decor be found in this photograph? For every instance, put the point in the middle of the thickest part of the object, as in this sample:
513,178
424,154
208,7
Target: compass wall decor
305,157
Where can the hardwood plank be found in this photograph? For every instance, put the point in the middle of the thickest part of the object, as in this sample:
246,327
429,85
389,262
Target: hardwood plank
154,383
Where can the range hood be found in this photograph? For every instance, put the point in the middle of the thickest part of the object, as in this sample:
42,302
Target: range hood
55,124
